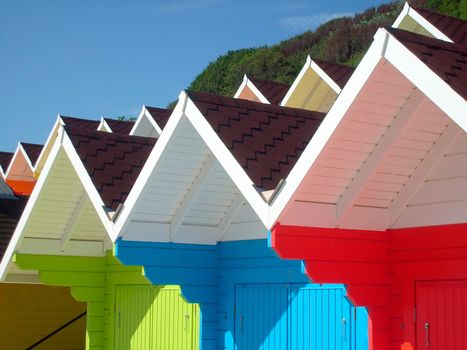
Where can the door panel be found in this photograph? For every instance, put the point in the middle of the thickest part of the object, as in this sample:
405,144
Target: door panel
154,318
261,317
133,321
178,321
320,318
441,315
292,317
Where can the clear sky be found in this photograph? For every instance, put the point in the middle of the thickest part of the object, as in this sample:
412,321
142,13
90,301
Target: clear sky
93,58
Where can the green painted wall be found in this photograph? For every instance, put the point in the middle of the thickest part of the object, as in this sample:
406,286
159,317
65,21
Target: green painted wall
97,281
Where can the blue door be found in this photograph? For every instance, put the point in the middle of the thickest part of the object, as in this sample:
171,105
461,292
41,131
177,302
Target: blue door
293,317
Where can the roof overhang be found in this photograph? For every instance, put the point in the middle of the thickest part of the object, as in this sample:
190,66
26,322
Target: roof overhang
145,125
247,83
409,12
388,92
64,215
191,189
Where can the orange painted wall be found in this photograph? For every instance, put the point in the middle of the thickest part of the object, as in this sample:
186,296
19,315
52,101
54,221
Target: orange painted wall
21,187
30,312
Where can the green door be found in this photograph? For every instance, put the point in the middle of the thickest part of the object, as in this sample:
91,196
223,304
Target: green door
178,320
133,319
154,318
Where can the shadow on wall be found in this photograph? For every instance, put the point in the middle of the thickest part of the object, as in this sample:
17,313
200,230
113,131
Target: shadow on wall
250,298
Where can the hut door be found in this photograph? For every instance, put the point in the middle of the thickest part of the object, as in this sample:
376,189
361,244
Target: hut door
178,320
153,318
132,318
441,315
320,318
292,317
261,316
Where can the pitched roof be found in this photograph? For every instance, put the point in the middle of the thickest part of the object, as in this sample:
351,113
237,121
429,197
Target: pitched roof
32,150
80,123
447,60
120,126
454,28
10,213
160,115
113,161
339,73
266,140
272,90
5,159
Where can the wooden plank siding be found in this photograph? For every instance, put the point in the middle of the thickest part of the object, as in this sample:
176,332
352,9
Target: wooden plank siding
93,280
28,313
379,268
209,274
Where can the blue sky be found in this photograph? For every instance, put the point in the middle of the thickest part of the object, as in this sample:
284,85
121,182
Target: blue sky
93,58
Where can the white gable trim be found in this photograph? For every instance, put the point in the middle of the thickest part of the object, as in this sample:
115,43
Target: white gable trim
327,79
248,83
411,12
104,126
50,139
384,46
19,149
62,141
144,114
310,64
327,127
142,181
18,234
186,108
296,81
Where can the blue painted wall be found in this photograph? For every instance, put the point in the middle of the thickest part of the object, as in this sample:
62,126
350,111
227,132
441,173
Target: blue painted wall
211,275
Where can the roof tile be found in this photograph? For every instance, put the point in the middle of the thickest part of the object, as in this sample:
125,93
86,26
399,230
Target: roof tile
447,60
160,115
5,159
265,139
113,161
120,126
339,73
10,212
32,150
80,123
454,28
273,91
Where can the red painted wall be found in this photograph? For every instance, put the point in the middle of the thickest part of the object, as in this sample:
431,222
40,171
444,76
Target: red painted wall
379,268
20,187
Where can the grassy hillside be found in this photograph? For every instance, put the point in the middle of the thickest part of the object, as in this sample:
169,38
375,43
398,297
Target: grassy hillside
342,40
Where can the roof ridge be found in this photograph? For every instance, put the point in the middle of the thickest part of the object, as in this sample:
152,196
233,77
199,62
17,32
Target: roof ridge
438,13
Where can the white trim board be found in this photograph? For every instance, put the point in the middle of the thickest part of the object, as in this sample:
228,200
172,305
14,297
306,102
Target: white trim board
62,142
384,46
408,11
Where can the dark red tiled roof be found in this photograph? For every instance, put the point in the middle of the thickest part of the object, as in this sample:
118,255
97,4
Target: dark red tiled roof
32,150
160,115
454,28
339,73
447,60
5,159
120,126
273,91
265,139
80,123
113,161
11,209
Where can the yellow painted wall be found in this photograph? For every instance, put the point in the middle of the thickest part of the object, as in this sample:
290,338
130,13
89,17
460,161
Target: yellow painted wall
412,26
312,93
29,312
